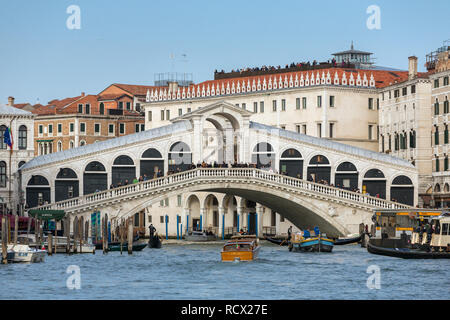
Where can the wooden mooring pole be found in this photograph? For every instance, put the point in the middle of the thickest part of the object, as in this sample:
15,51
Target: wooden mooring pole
28,231
50,244
67,232
103,236
16,228
4,242
121,233
130,236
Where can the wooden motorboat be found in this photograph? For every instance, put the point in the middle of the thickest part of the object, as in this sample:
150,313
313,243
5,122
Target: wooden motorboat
241,248
407,253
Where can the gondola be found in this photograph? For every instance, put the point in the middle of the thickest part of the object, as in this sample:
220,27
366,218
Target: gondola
154,242
341,242
280,242
138,246
406,253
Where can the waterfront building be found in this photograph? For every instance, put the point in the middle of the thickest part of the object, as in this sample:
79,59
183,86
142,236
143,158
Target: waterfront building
438,63
21,124
85,119
405,123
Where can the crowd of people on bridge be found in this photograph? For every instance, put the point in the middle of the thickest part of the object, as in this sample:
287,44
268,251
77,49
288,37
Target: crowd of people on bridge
293,65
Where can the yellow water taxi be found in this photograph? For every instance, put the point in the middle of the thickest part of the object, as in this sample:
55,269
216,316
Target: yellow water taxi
241,248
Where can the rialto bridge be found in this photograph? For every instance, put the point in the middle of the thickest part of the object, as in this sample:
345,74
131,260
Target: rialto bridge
307,180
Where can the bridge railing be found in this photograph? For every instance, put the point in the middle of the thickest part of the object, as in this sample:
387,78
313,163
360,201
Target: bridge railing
238,173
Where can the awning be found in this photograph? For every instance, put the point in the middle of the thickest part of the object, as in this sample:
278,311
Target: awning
47,214
45,140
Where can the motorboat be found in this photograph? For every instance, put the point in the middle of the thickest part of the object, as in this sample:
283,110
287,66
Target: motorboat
24,253
241,248
311,241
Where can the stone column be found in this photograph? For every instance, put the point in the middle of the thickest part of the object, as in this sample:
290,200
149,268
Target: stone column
197,143
184,219
259,213
221,222
240,218
244,143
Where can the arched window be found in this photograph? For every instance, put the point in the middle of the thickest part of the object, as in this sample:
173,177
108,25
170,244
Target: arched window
95,178
2,137
59,146
21,163
402,190
2,174
291,163
263,155
71,144
102,108
22,137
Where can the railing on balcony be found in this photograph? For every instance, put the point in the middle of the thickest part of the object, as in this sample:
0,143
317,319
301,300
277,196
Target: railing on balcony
240,175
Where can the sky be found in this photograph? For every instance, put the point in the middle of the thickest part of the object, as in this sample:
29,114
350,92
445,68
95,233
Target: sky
130,41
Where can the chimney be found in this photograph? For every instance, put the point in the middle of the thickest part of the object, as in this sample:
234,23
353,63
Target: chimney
412,67
11,101
82,94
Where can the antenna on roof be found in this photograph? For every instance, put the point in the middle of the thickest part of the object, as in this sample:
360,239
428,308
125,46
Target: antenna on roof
352,45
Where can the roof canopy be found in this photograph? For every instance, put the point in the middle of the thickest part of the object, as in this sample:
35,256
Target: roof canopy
47,214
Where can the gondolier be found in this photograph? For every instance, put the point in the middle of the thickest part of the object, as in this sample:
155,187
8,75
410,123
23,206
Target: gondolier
152,230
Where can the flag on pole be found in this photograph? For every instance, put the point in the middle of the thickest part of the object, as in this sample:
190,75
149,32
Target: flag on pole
8,138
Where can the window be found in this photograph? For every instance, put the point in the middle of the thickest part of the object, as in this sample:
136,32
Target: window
167,114
122,128
71,144
304,128
436,136
83,127
142,127
437,164
404,91
304,102
180,112
97,128
162,115
396,142
128,105
446,108
390,94
2,174
255,107
331,101
261,107
137,127
412,139
446,134
179,200
59,146
297,128
80,108
111,128
283,104
370,103
22,137
244,106
88,108
297,103
274,105
149,116
370,132
436,107
413,89
50,129
149,218
59,128
319,101
120,105
446,81
378,104
166,203
102,108
397,93
72,127
41,130
331,130
436,83
319,130
189,110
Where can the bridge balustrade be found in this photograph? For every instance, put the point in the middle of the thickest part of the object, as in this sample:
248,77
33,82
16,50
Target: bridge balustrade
217,173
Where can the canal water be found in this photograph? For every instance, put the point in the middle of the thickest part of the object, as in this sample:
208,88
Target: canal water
194,271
